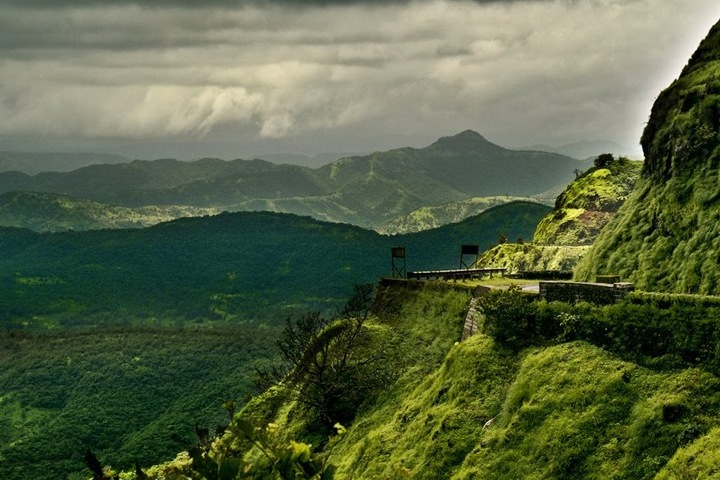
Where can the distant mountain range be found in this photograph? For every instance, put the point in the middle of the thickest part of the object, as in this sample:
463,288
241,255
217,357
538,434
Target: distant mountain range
590,149
362,190
34,163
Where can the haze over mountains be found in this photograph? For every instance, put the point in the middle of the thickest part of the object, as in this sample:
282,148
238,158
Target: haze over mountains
32,163
590,149
362,190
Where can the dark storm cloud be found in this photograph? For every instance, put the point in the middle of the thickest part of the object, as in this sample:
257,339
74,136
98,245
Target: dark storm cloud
217,3
518,71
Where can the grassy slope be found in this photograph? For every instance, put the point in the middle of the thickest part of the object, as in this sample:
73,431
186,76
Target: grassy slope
565,234
563,411
667,235
560,412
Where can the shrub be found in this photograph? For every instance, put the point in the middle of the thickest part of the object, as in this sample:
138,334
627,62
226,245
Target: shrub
509,315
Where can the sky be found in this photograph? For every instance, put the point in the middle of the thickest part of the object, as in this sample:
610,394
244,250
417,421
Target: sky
230,78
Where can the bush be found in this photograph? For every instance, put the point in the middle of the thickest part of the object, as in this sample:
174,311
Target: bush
509,315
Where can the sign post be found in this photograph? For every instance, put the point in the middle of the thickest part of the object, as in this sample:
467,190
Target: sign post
399,268
469,251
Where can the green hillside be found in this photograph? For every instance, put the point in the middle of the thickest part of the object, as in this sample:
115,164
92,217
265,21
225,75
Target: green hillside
247,266
568,397
666,235
243,265
121,341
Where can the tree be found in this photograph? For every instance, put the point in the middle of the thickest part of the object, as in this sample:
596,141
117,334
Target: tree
99,473
330,365
604,160
360,303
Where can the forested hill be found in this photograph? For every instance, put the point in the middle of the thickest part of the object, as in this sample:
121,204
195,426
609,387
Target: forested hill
362,190
667,235
52,212
246,266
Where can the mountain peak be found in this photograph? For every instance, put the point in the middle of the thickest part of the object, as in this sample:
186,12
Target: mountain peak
469,134
468,140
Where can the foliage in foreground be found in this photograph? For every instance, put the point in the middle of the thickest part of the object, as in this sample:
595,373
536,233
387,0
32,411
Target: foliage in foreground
128,394
418,326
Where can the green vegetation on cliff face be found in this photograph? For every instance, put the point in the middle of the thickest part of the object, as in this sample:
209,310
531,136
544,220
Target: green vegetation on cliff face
564,235
588,203
667,235
526,257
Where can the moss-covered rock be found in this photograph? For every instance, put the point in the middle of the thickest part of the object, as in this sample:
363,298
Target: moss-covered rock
588,203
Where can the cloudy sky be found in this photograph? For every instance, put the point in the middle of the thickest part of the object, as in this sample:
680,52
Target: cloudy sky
230,77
